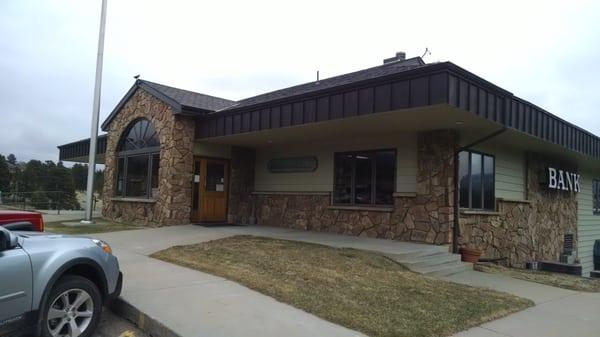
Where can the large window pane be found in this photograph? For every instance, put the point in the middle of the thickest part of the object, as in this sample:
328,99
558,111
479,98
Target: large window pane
154,184
488,183
476,181
137,176
476,187
363,178
463,178
138,163
120,176
343,178
384,177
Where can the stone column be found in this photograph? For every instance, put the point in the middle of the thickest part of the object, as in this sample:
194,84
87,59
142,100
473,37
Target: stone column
434,210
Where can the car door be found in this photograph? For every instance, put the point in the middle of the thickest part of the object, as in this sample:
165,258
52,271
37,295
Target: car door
15,286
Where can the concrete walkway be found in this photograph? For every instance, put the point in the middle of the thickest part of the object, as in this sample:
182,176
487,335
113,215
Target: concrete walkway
193,303
557,313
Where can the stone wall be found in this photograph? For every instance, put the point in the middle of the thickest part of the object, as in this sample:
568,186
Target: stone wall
176,134
425,217
523,231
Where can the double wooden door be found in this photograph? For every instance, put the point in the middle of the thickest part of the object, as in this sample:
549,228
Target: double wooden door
210,190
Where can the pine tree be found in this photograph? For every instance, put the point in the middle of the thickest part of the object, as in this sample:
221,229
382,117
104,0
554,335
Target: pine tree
12,159
79,173
4,175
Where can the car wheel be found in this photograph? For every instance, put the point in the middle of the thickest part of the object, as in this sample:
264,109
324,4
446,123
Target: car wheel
73,308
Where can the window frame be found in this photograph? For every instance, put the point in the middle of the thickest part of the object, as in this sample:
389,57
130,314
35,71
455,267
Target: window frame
148,152
470,189
373,178
595,210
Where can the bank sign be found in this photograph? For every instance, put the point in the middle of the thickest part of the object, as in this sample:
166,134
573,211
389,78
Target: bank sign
562,180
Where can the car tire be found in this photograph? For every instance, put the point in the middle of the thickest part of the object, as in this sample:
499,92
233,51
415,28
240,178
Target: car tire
73,307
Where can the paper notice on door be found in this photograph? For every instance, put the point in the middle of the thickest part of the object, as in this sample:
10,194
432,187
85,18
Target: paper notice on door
196,178
219,187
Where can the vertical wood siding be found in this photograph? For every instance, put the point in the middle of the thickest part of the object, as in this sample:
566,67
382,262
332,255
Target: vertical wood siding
588,224
510,170
321,180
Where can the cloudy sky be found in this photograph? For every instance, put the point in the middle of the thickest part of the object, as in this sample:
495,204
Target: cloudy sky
544,51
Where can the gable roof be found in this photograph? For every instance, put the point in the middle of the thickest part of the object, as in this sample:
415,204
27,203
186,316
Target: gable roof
189,99
193,103
181,101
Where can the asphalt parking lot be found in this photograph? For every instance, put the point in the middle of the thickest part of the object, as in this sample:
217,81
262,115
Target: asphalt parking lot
114,326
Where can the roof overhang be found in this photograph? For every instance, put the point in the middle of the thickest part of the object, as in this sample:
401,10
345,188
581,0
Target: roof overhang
436,84
79,151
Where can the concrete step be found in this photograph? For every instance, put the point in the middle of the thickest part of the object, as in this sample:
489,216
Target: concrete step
433,261
447,269
463,266
418,253
429,260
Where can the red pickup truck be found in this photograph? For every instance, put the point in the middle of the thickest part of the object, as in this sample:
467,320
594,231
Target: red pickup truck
22,220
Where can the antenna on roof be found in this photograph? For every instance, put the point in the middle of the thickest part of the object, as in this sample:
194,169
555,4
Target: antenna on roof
317,76
427,52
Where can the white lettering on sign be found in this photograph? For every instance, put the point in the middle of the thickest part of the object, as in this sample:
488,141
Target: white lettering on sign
563,180
551,177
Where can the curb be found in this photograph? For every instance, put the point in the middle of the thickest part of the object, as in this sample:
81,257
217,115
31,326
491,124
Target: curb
144,322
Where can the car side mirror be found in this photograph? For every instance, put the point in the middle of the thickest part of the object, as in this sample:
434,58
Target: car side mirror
6,239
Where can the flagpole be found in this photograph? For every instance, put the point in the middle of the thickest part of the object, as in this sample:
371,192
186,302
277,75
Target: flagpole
95,116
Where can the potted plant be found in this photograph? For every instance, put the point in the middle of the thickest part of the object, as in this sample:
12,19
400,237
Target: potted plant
469,254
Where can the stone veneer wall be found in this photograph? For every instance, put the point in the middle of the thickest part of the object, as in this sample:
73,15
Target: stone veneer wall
425,217
523,231
176,134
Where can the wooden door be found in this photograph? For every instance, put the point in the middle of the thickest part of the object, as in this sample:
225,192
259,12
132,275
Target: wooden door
211,190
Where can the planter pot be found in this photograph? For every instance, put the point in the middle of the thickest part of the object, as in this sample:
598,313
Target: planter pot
469,255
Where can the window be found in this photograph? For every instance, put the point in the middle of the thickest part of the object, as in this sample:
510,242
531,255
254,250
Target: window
596,196
138,161
476,180
364,178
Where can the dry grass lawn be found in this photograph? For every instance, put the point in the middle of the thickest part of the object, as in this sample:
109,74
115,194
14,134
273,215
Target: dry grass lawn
552,279
101,226
360,290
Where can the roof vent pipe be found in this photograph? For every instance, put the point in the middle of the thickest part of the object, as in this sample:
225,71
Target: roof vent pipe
400,56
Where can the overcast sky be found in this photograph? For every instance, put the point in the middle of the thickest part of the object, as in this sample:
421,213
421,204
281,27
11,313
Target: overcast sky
546,52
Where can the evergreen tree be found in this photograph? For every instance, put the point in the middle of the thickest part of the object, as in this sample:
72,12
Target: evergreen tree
47,185
4,175
99,182
32,176
79,173
63,182
12,159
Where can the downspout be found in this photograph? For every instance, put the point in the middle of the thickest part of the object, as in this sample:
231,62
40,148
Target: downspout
456,227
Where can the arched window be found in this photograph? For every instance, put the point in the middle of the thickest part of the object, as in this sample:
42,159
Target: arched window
138,160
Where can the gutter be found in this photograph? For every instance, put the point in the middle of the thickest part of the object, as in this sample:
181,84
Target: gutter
456,227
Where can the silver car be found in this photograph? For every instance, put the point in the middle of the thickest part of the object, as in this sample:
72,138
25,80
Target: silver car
54,285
